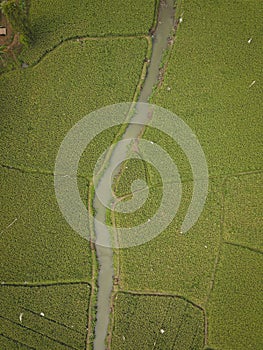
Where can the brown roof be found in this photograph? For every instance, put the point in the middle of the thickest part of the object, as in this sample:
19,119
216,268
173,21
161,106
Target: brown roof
2,31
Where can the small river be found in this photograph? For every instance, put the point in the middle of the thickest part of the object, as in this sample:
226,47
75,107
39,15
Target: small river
105,254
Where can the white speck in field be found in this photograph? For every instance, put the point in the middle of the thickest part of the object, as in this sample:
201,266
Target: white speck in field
161,331
149,220
123,338
180,20
20,317
42,314
152,142
7,227
253,82
168,89
249,40
205,246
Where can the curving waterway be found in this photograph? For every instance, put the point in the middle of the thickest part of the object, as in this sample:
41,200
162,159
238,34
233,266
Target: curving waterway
104,253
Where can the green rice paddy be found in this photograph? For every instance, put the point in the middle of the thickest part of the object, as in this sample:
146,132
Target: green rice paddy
156,322
45,317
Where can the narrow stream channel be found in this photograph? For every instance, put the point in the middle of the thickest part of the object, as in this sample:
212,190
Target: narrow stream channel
105,254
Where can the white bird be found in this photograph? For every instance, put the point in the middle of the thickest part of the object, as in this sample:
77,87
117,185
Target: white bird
42,314
20,317
249,40
180,19
253,82
162,331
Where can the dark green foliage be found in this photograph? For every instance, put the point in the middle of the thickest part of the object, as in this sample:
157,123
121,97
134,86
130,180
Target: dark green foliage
16,13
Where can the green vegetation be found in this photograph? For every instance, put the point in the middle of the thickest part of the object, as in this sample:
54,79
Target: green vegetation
172,262
212,81
209,73
56,21
235,307
16,13
242,210
156,322
40,104
89,54
46,317
39,245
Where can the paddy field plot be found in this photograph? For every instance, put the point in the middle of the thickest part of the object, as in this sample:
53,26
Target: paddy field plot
156,322
56,21
46,317
243,207
235,306
41,104
36,243
207,81
172,262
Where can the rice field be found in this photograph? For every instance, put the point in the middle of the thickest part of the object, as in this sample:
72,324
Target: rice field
36,243
208,81
242,210
46,317
173,263
38,248
56,21
40,104
235,306
156,322
212,81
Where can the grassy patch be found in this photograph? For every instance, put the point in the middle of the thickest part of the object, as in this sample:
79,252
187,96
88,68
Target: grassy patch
156,322
63,321
54,22
235,307
41,104
39,245
243,208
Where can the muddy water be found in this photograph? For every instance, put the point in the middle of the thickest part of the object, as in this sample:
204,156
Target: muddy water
105,254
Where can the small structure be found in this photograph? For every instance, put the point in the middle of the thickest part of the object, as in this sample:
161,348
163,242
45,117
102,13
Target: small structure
2,31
